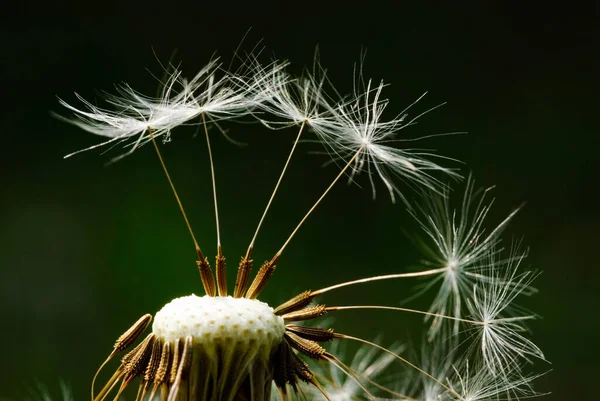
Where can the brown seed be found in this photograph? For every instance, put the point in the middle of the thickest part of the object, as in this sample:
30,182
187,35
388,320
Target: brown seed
289,368
307,347
312,333
154,362
125,341
298,302
208,281
163,369
138,358
243,276
164,365
260,281
311,312
220,271
131,335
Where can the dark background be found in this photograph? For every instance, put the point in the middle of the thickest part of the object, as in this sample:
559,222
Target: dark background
86,249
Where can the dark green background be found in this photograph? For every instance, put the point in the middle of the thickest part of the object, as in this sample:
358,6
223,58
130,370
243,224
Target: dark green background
86,249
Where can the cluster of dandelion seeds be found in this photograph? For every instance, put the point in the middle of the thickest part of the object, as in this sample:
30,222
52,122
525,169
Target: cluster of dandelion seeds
228,345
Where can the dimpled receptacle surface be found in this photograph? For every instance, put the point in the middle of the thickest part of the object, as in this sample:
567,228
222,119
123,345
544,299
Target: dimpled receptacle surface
216,319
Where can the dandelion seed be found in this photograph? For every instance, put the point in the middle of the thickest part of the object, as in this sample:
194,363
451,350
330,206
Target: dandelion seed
360,129
181,101
461,247
349,127
478,383
501,341
296,101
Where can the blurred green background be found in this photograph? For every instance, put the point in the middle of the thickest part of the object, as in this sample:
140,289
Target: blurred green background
86,249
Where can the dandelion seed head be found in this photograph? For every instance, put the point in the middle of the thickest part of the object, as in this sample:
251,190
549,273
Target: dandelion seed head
221,347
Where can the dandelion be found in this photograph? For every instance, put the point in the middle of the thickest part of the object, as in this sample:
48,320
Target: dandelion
350,127
289,101
502,344
478,384
460,248
136,117
228,345
361,132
